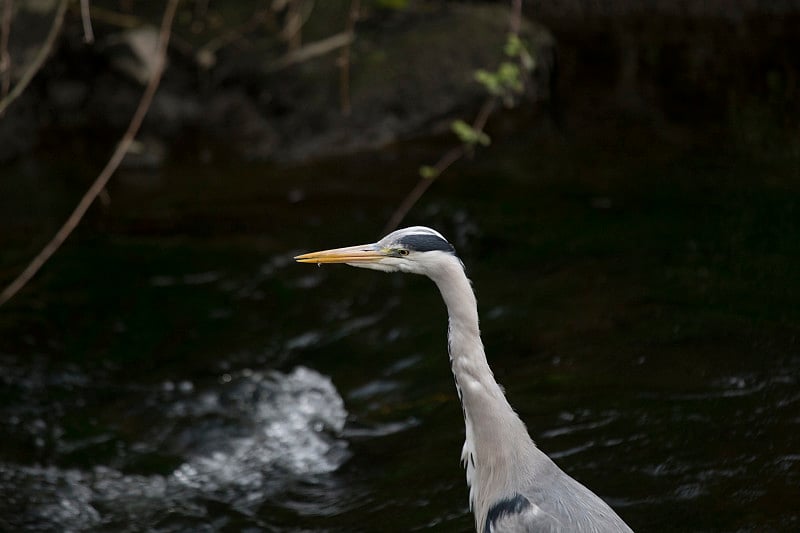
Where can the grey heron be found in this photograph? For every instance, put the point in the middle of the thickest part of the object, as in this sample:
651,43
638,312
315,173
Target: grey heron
513,486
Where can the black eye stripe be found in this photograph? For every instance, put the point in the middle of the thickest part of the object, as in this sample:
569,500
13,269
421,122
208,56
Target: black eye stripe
426,243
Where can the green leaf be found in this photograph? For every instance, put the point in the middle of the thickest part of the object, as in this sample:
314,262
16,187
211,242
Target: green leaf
469,135
464,132
489,80
528,62
428,172
509,75
513,46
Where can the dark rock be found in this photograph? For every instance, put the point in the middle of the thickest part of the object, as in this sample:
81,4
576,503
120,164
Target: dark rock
67,94
405,79
233,117
19,129
410,73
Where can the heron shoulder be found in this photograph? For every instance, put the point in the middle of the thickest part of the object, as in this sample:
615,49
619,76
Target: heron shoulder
559,503
553,503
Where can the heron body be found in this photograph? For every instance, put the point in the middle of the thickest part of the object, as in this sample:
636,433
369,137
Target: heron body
514,487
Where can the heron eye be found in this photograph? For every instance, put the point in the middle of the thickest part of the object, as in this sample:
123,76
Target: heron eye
402,251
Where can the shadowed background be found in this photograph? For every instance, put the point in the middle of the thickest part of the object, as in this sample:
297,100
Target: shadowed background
632,235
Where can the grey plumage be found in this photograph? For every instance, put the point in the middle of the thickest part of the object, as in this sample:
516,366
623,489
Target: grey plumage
514,486
554,502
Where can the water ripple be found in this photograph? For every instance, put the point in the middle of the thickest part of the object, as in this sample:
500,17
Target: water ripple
259,431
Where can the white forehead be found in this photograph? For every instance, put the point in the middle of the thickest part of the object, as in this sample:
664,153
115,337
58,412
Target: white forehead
413,230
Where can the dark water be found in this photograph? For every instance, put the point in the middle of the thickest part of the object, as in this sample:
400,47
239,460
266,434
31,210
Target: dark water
173,370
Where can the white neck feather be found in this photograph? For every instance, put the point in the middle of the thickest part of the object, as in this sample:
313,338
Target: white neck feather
496,439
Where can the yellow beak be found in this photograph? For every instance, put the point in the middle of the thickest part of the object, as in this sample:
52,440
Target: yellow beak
365,253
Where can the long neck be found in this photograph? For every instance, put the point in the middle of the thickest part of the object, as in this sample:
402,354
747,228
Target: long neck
496,439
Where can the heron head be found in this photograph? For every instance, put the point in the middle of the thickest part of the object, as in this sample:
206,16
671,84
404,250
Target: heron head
416,250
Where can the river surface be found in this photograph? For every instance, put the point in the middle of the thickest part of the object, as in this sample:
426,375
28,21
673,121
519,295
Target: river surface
172,369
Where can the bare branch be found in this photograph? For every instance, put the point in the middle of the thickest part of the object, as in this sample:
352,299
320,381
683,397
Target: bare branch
116,158
5,57
297,14
450,157
206,53
344,59
516,17
86,19
38,61
114,18
311,50
483,115
292,30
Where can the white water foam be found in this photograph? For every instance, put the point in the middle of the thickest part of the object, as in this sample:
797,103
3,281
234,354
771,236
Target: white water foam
259,431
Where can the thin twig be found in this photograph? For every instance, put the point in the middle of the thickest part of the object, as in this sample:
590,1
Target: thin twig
292,30
450,157
115,18
516,17
86,19
5,57
310,51
297,14
38,61
454,154
344,59
113,162
483,115
235,34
